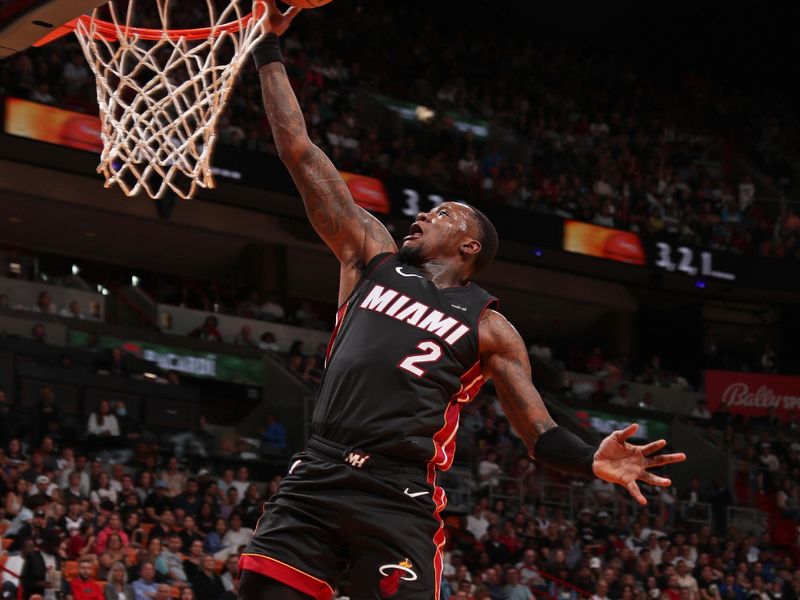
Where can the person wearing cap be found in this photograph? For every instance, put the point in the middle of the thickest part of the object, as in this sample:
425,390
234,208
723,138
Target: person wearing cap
36,530
157,502
602,529
43,488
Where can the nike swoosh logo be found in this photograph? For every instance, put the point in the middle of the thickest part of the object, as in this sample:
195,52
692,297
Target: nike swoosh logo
294,465
400,272
415,494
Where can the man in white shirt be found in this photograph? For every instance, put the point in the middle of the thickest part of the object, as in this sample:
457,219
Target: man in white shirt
234,538
701,411
528,573
477,524
488,470
685,578
768,458
242,481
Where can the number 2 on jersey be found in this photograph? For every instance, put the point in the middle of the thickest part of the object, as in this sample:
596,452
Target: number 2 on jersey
431,352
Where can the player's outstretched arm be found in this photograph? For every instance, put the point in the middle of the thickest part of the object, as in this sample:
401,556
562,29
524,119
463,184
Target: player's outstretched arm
504,359
350,232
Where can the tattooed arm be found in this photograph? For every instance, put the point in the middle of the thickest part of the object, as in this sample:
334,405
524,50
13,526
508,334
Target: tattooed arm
505,360
350,232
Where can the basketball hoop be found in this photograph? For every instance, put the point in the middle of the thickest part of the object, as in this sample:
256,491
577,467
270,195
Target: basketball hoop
161,92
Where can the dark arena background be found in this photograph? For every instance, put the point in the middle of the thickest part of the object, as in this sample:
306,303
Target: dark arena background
159,359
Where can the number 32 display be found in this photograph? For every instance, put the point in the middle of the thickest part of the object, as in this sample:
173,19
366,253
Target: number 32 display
684,259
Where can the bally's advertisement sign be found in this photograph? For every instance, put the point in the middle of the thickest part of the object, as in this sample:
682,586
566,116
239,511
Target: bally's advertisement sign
753,394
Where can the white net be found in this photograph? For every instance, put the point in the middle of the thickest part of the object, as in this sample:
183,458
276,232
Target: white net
160,99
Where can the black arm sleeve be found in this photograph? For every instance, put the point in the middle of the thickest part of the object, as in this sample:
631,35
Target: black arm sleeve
562,450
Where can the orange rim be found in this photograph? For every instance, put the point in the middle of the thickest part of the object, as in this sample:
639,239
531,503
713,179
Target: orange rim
110,32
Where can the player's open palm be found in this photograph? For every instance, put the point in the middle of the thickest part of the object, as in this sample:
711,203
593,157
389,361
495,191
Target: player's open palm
619,461
277,21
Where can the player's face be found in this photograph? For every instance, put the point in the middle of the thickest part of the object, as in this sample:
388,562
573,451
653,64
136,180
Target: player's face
439,233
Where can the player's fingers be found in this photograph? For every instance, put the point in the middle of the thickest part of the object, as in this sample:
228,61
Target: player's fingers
623,434
292,12
652,447
633,490
665,459
653,479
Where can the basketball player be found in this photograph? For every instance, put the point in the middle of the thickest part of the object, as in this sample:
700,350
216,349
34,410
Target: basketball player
414,341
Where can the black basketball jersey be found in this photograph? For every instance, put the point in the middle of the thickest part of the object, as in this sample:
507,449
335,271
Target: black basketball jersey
402,360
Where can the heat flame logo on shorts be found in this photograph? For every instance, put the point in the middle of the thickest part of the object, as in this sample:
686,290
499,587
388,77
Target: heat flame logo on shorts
393,575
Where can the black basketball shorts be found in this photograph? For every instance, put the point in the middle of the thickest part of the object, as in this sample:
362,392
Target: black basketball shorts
340,509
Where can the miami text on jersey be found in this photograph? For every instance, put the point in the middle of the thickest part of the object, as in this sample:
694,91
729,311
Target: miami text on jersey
393,304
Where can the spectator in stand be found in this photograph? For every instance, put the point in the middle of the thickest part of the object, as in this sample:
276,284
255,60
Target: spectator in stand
600,395
600,590
44,304
73,311
145,587
172,476
114,527
170,562
83,587
38,333
312,374
242,481
271,310
231,573
208,331
623,397
157,501
206,584
267,341
213,542
236,537
103,423
190,500
701,410
541,351
489,471
114,362
33,577
117,587
245,337
767,362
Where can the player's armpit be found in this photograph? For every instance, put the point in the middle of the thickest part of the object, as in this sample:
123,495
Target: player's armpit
504,359
350,232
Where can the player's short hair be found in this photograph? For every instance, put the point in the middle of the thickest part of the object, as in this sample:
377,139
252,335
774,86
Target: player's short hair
487,236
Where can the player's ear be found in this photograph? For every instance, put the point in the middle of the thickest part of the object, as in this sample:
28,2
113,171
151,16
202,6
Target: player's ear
470,248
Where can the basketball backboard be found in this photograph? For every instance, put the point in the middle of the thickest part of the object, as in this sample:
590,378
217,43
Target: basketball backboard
22,22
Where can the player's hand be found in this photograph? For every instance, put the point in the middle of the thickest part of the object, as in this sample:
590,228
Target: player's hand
620,462
278,22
